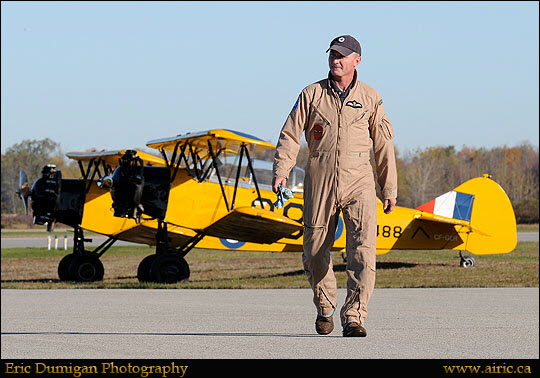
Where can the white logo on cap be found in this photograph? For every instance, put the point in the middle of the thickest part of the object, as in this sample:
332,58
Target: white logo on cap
341,39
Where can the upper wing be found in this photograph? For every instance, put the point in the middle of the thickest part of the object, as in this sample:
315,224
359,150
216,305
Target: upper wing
219,139
112,157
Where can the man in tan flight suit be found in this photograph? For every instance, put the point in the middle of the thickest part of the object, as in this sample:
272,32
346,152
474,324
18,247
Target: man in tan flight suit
343,119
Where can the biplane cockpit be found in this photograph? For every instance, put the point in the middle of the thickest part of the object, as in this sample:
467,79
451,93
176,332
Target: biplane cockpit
263,171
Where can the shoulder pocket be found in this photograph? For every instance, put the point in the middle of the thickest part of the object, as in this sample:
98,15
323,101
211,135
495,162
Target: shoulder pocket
386,130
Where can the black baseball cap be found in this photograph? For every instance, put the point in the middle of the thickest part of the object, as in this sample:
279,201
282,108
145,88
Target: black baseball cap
345,45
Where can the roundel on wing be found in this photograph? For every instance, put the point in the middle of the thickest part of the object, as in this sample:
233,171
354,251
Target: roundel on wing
231,243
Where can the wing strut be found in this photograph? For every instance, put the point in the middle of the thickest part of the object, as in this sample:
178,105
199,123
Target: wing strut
253,175
245,149
200,171
214,162
93,167
238,169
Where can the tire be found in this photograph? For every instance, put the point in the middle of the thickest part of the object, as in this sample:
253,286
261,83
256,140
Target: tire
63,267
143,271
169,268
86,268
467,262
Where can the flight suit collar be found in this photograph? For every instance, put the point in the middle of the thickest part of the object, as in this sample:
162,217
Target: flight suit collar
342,94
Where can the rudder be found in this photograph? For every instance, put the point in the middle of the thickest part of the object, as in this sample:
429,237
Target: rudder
492,214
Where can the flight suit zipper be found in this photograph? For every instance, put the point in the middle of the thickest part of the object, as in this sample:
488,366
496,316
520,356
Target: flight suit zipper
322,293
339,106
353,299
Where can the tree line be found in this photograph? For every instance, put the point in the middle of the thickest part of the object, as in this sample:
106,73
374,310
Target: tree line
423,173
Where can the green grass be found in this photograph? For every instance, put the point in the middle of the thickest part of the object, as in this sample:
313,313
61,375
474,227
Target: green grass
527,227
441,269
32,268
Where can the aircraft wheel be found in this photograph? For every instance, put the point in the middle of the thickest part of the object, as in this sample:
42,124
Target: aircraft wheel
467,262
143,271
169,268
86,268
63,267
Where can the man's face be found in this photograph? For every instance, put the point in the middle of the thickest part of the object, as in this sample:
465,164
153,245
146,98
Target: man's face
342,65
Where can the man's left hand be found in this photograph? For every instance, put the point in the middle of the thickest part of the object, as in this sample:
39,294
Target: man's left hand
389,205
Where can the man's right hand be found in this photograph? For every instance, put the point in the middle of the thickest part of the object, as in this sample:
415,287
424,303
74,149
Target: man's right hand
277,181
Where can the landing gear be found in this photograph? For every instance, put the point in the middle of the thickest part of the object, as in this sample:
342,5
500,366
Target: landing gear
170,268
167,265
165,268
143,271
83,265
86,268
466,261
63,267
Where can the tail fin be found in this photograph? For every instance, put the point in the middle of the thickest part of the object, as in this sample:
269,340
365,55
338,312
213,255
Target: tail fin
483,203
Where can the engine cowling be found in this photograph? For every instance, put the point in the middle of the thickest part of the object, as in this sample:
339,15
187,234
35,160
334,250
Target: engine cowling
137,189
57,200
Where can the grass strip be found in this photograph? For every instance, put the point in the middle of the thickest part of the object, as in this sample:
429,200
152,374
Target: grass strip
36,268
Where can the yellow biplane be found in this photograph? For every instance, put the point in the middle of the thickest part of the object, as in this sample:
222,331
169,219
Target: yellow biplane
208,192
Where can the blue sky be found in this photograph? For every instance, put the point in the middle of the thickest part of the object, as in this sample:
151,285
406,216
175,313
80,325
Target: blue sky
114,75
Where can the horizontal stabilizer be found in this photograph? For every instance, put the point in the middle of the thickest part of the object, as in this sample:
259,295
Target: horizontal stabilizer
441,219
255,225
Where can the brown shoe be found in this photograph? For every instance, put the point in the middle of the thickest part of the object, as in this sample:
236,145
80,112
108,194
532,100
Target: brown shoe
324,325
354,329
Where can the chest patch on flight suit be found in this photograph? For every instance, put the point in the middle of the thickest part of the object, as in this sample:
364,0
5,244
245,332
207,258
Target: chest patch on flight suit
354,104
318,132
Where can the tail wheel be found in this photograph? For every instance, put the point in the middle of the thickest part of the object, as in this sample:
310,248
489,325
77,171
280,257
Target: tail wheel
86,268
143,271
467,262
63,267
169,268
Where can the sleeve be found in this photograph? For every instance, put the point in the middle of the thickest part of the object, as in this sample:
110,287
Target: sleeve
289,139
382,133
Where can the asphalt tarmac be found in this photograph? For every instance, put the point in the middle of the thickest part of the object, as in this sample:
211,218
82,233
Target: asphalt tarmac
460,323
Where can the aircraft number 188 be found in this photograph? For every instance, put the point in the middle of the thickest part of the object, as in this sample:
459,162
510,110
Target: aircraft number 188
388,231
